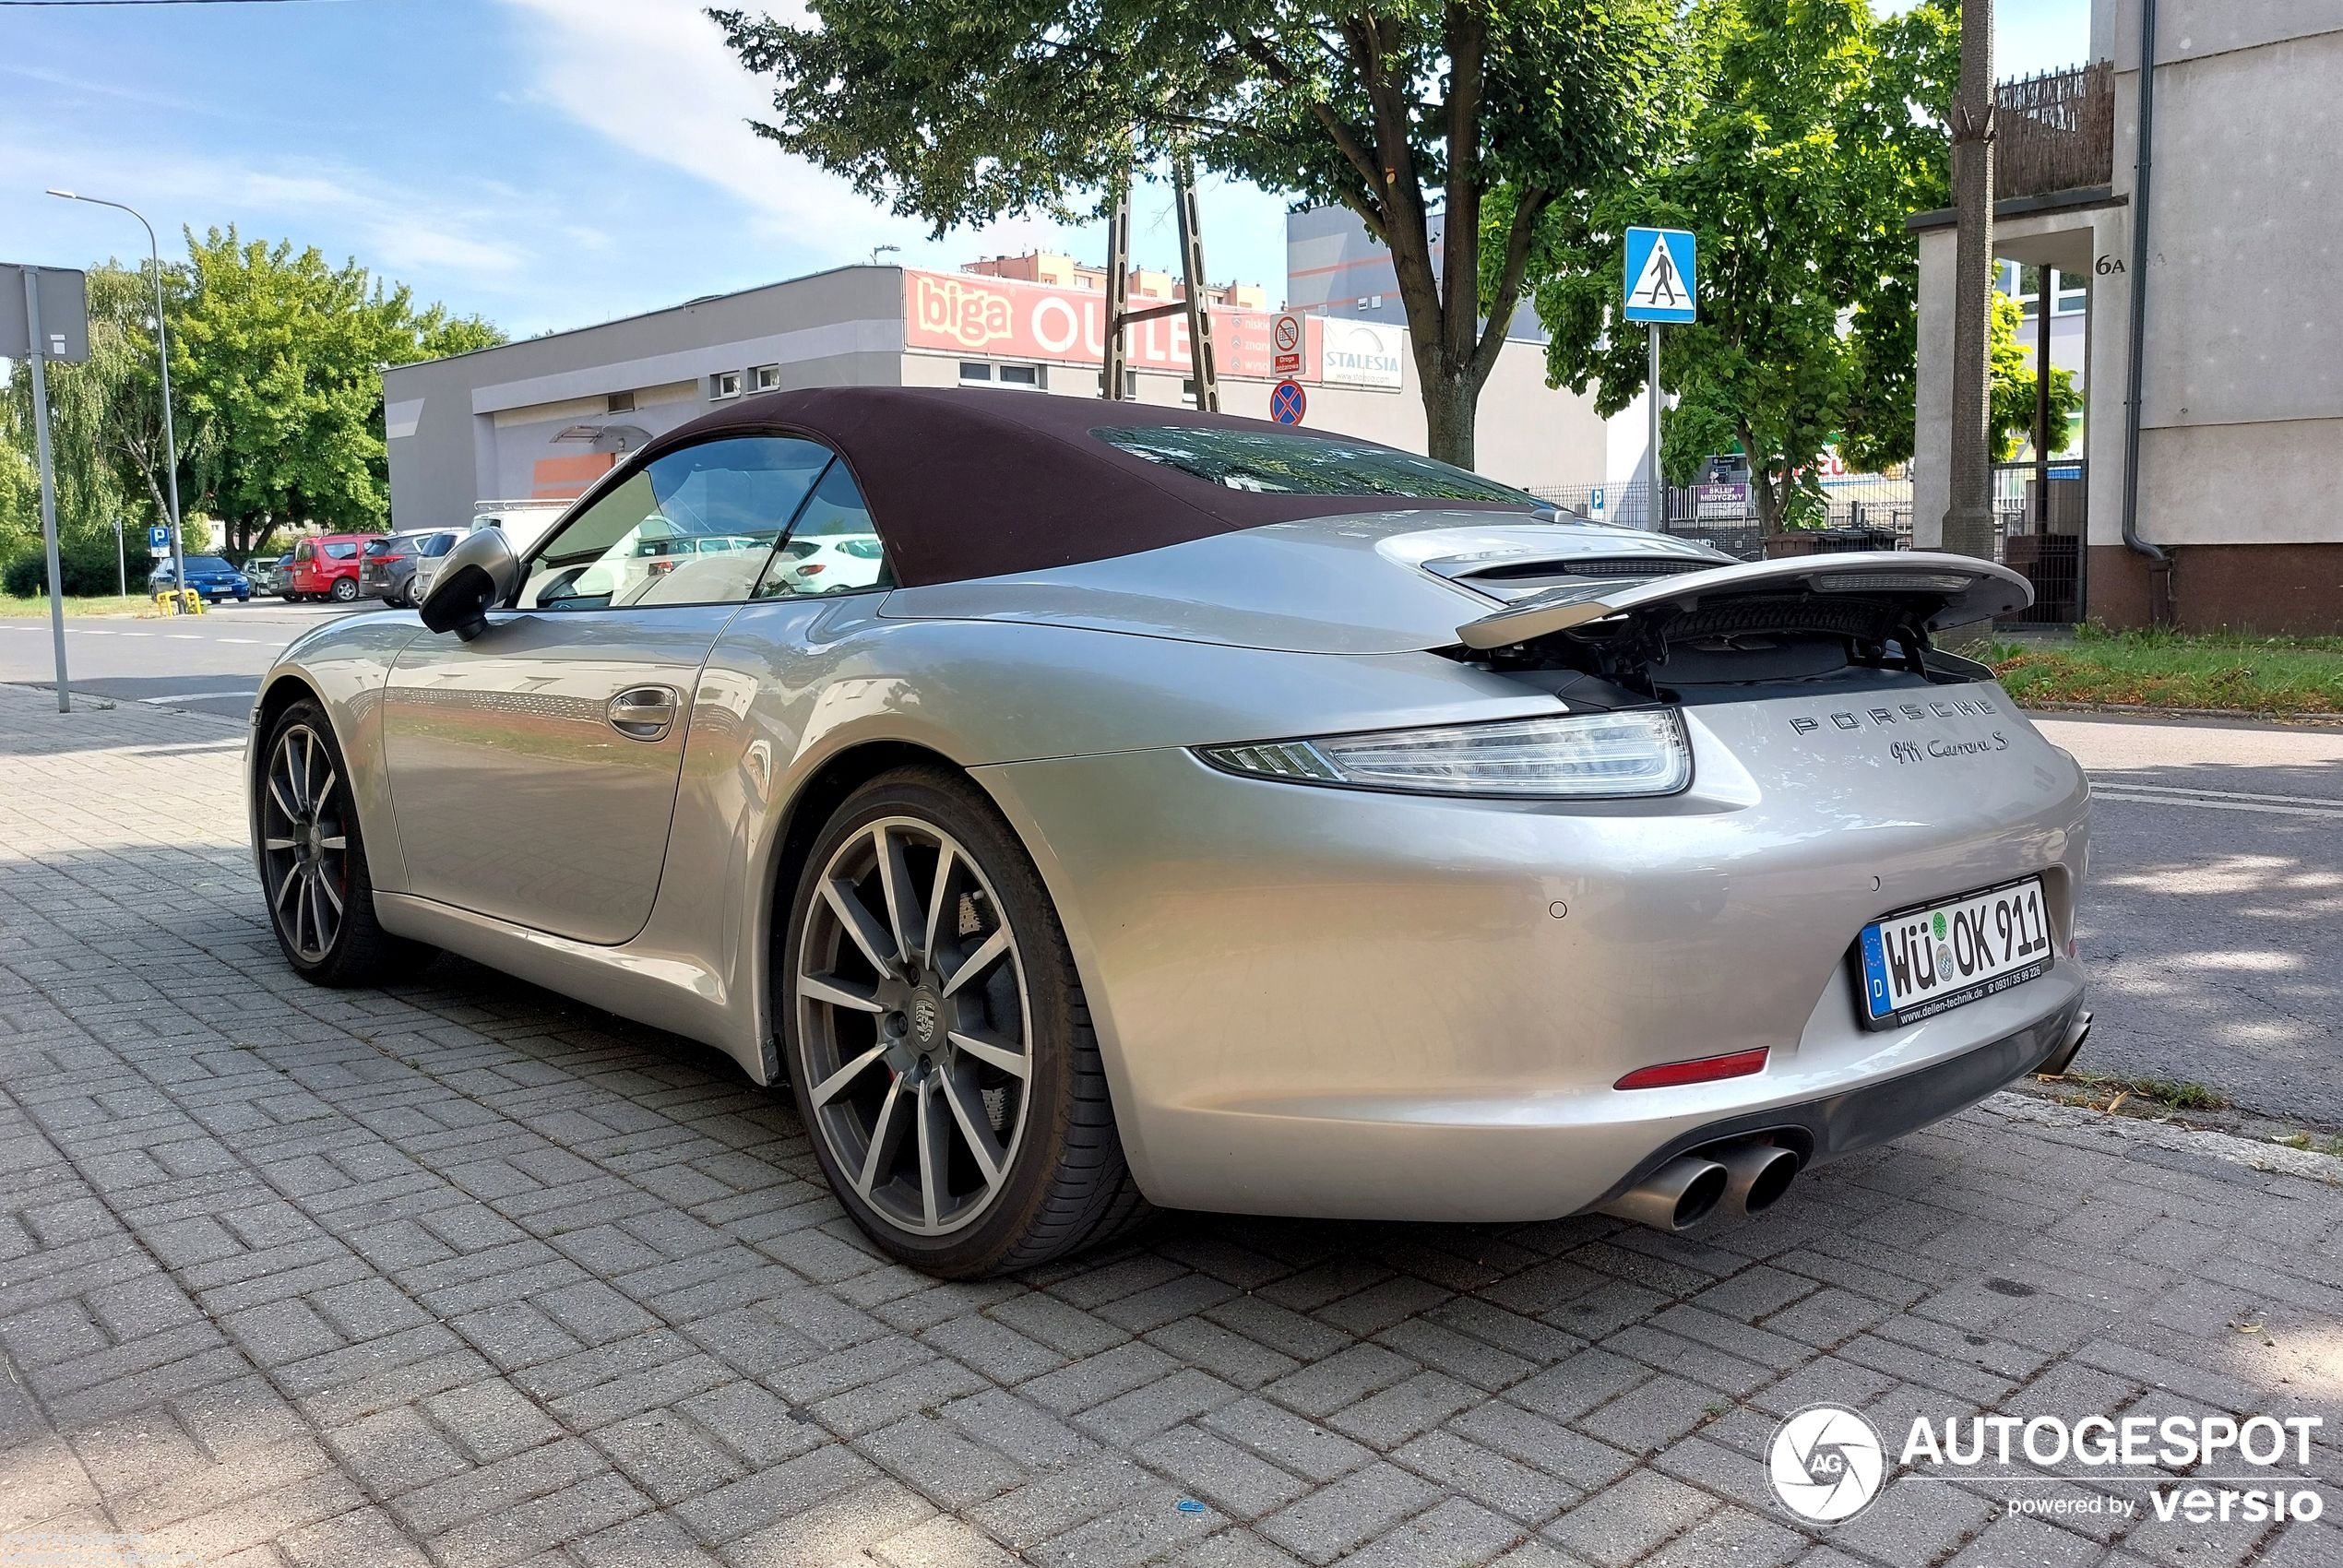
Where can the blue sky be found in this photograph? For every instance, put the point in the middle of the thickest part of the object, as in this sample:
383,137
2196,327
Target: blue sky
545,164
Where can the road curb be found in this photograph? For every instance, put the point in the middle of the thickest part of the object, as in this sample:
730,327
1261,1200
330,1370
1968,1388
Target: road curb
2273,1158
2143,710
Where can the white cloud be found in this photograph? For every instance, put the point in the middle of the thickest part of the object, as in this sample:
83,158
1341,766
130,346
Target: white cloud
657,78
396,229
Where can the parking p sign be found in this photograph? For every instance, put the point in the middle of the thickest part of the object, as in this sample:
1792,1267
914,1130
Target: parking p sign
158,539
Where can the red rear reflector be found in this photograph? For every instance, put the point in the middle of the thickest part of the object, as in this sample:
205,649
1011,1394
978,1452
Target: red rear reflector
1700,1070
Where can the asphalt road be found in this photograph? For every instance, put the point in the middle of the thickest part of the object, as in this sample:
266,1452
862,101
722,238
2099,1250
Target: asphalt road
2216,875
210,663
2208,921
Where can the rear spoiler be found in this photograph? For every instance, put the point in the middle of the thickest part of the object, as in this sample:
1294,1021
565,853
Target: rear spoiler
1957,590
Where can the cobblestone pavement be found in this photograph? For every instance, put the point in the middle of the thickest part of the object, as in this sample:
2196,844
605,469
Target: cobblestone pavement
466,1274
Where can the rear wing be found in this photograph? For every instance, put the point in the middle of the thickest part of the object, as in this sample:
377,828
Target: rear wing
1942,591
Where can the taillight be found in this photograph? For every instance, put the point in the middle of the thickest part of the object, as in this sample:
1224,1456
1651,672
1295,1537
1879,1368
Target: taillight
1699,1070
812,570
660,568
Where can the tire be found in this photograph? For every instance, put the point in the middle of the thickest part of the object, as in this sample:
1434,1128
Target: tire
301,767
946,1040
345,590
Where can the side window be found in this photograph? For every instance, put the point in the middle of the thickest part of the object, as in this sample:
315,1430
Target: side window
694,526
833,547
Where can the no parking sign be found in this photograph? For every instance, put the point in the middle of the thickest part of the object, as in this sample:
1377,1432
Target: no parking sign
1287,403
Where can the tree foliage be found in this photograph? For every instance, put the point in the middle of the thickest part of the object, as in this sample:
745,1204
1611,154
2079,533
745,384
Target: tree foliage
1815,128
1407,113
2011,391
276,361
104,421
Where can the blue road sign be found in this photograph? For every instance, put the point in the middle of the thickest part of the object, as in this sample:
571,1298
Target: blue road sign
1286,402
158,537
1661,275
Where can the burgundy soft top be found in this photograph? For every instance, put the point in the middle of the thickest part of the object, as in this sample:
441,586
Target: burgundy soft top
976,483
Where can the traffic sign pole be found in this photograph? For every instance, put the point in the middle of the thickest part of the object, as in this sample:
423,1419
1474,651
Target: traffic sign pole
1656,514
39,358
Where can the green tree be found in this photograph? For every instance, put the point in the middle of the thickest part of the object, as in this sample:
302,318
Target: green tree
1817,129
1405,114
106,425
277,361
2011,390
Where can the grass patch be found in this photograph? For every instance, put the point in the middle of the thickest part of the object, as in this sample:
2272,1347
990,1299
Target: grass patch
2155,669
103,604
2333,1146
2172,1093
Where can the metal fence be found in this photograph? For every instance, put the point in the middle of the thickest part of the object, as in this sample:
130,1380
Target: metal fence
2055,131
2038,531
1852,501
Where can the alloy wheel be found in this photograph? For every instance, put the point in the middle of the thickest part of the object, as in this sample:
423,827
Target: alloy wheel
305,842
914,1025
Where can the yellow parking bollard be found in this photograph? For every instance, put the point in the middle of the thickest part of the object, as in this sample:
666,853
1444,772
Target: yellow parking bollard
167,601
191,602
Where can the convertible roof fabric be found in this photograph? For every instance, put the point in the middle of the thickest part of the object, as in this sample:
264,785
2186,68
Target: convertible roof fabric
969,483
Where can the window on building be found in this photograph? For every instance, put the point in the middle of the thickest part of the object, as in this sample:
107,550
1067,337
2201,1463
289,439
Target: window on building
622,402
2024,284
975,370
722,384
1187,391
1031,376
1130,385
765,379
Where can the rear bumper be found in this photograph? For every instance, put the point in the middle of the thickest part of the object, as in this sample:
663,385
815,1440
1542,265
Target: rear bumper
1346,1004
1856,1119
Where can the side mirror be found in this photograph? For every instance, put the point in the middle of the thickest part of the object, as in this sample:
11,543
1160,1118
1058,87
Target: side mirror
478,572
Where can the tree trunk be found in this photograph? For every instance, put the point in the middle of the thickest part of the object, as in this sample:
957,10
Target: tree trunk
1968,522
1449,406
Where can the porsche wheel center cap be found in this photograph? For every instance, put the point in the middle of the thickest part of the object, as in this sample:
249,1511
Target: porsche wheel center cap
927,1019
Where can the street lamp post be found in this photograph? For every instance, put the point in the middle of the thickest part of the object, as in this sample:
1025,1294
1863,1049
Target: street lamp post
162,352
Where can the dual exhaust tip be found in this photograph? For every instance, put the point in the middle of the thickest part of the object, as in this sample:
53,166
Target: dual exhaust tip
1745,1178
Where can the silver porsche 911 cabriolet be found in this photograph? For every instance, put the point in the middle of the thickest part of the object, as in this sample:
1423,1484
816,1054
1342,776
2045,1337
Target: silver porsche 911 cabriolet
1087,805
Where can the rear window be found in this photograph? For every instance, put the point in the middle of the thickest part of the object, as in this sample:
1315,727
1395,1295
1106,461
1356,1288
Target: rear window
379,549
1279,463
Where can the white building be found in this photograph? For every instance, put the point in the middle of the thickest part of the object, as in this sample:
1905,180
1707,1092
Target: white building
2239,397
542,418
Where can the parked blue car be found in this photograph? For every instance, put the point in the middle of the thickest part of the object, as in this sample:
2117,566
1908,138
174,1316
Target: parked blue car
209,575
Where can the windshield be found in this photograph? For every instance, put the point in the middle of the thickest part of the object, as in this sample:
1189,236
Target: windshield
208,564
1276,462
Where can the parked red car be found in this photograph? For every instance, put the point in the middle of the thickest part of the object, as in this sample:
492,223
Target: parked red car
327,567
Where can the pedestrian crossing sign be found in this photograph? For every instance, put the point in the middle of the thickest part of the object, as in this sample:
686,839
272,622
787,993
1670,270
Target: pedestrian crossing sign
1660,273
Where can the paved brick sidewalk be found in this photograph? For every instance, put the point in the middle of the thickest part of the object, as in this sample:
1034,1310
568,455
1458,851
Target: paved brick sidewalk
467,1275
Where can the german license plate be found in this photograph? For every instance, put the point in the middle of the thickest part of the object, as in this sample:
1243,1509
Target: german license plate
1923,961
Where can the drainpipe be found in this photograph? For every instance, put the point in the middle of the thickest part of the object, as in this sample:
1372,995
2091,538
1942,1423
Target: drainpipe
2159,604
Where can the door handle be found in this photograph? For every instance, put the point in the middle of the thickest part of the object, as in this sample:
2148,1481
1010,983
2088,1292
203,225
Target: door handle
643,713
